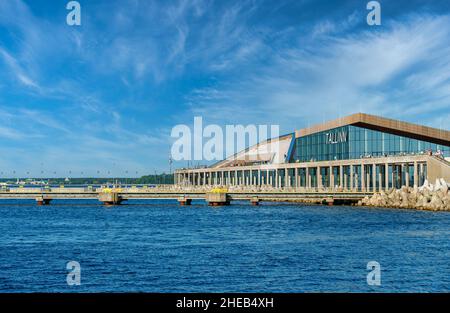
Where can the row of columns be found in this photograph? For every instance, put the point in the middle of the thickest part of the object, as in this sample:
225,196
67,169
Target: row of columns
365,177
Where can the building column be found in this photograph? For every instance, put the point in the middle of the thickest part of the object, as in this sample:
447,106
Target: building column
297,184
344,179
341,176
318,177
386,175
351,178
380,178
331,175
421,173
392,175
406,168
276,178
307,178
363,178
416,176
374,177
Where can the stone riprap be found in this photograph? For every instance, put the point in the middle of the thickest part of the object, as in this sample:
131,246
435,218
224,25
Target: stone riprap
434,197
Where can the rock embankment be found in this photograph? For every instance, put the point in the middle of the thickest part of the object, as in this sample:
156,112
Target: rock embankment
428,197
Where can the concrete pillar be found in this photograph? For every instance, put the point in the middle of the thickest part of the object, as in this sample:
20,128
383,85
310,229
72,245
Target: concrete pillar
287,181
421,173
254,201
184,201
308,178
42,201
406,175
341,176
386,175
297,183
318,177
374,177
416,176
392,175
380,178
331,175
363,178
345,179
222,179
276,178
351,178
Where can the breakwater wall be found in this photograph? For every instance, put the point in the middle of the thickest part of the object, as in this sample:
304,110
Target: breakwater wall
434,197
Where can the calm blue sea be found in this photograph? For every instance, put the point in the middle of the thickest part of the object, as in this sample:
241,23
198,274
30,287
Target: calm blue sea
158,246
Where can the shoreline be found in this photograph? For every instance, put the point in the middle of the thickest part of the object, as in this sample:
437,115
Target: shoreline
429,197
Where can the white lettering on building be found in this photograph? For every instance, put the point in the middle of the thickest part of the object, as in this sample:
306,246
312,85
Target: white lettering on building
336,137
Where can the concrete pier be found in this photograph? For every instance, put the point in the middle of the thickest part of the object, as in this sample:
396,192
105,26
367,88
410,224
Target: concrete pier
42,201
254,201
184,201
110,198
217,198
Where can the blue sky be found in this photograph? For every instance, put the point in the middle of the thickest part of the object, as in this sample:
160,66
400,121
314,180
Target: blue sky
103,97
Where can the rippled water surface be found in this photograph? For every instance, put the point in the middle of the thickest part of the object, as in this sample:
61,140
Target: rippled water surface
150,246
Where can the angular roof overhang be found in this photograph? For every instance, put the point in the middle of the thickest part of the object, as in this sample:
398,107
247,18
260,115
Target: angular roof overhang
415,131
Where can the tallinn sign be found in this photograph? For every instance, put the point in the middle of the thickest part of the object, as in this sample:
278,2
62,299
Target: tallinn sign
336,137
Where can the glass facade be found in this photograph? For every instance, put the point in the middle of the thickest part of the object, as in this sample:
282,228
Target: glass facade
353,142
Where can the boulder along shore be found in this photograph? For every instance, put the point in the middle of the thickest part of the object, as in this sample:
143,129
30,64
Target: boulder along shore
434,197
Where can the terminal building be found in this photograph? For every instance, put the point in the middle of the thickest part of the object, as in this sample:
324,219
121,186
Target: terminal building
360,152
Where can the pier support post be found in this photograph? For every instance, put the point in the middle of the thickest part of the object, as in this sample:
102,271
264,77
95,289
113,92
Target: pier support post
110,198
329,201
43,201
217,198
254,201
184,201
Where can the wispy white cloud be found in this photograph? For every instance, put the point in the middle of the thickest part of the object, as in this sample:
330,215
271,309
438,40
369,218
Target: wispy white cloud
110,91
397,71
